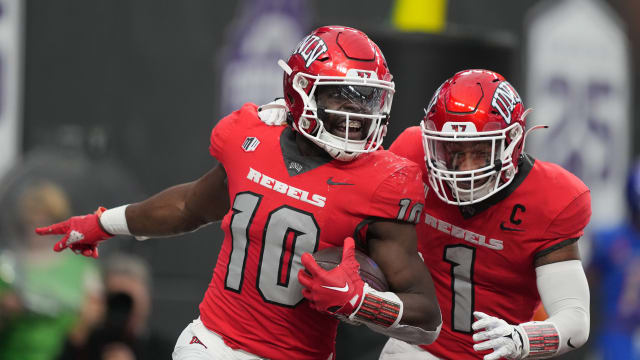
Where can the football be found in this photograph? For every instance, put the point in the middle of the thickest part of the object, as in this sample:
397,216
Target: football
329,258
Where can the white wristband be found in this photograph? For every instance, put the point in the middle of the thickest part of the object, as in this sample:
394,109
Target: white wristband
114,221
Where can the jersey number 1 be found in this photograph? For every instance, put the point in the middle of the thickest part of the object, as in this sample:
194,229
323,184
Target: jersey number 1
462,258
288,233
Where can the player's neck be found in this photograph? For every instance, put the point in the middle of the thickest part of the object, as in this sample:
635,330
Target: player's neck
307,147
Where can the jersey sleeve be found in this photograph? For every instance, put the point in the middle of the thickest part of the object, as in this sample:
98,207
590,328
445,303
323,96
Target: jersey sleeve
219,135
409,145
568,225
400,196
227,127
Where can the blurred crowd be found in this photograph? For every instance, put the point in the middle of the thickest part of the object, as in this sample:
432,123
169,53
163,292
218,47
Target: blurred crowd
63,306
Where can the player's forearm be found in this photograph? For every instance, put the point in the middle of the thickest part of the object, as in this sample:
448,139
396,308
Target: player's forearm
421,311
162,214
414,286
176,210
418,318
411,327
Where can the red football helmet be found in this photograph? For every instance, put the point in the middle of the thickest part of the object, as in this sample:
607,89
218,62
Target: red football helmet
344,63
473,134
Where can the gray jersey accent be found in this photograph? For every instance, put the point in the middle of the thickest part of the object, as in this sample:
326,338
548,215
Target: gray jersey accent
461,258
404,205
294,161
306,233
416,211
244,207
277,274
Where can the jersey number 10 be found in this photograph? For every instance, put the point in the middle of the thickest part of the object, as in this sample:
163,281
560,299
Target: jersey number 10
277,279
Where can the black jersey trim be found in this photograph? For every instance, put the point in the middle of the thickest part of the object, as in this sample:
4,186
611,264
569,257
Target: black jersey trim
294,161
361,243
555,247
525,164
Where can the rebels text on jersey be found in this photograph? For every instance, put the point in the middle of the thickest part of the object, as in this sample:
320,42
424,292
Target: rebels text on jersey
481,257
282,205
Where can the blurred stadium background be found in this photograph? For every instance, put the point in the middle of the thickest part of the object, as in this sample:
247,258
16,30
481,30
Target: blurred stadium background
115,100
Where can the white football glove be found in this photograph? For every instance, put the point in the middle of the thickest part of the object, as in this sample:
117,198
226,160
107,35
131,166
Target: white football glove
505,340
274,113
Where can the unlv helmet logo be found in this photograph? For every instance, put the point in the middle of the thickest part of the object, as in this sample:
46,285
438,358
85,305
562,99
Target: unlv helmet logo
504,100
310,48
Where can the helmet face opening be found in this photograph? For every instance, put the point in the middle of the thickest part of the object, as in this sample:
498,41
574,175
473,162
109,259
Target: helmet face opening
471,135
338,101
470,166
339,105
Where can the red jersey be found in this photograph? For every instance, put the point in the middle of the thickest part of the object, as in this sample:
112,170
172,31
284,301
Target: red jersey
481,257
284,204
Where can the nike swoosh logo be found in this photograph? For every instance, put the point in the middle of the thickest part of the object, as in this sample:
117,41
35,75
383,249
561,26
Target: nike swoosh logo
331,182
345,288
502,227
569,343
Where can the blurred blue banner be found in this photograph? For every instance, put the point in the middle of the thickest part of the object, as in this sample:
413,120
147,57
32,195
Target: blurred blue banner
262,32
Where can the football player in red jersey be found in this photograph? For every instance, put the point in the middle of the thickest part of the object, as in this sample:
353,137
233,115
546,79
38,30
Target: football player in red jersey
285,192
500,229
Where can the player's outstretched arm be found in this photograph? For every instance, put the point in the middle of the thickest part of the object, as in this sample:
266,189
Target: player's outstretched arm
564,291
181,208
178,209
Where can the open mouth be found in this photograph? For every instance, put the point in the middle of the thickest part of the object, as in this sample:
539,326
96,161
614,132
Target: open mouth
356,129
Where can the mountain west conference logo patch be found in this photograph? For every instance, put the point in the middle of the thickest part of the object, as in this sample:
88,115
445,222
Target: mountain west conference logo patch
250,143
